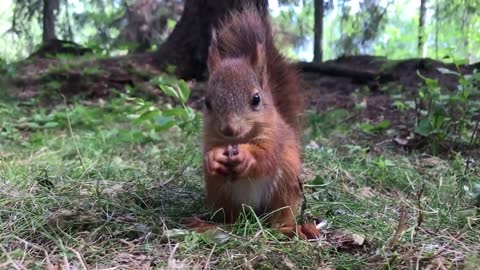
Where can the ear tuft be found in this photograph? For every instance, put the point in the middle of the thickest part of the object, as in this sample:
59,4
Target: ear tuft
213,54
258,61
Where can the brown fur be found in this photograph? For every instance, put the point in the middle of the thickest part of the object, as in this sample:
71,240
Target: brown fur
239,35
243,62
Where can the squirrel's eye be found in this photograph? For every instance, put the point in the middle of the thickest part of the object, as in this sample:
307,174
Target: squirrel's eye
256,100
207,104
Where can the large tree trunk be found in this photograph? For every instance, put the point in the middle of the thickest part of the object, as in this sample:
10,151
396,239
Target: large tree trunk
187,46
49,9
466,35
318,35
421,28
437,28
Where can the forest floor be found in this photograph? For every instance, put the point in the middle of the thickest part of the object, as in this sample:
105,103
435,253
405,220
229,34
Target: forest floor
85,186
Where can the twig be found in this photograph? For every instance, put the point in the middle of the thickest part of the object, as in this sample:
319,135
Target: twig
304,203
419,206
80,258
71,133
10,260
207,264
47,257
173,251
402,225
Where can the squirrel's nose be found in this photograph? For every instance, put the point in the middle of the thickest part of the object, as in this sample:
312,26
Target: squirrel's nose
229,131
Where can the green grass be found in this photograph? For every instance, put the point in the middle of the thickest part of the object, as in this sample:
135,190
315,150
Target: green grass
107,193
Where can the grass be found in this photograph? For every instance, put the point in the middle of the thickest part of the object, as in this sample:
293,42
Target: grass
106,193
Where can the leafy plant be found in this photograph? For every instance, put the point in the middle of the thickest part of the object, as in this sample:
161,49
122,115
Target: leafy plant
323,124
449,115
380,168
475,194
375,128
159,120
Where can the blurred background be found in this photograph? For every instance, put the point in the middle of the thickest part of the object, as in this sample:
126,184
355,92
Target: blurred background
389,28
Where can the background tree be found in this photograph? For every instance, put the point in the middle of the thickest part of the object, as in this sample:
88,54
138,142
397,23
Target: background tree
187,46
354,27
421,28
145,23
359,30
50,8
318,36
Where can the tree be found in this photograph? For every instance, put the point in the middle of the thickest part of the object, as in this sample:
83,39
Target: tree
27,10
318,31
187,46
142,23
421,28
50,7
359,29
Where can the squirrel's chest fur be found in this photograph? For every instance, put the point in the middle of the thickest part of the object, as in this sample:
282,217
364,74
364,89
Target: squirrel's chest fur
256,193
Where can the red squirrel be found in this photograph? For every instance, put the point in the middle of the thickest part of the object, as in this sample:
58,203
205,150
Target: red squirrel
251,127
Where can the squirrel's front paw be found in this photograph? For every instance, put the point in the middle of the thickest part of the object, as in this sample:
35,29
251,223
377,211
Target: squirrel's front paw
242,163
215,162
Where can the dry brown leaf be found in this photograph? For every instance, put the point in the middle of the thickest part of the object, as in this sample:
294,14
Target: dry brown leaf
432,162
401,141
174,264
345,240
288,264
358,239
312,145
366,192
326,267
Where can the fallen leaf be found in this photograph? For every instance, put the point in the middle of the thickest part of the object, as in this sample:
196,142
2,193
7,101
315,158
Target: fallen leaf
312,145
113,189
358,239
366,192
326,267
322,225
175,234
215,236
343,240
289,264
432,162
174,264
401,141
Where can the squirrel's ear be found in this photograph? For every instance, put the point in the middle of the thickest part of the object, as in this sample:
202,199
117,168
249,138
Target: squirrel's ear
258,61
213,54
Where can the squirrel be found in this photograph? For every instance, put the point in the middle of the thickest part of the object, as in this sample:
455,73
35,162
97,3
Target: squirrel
252,126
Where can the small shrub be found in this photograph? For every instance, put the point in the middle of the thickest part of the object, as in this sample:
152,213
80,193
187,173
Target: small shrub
444,115
324,123
160,120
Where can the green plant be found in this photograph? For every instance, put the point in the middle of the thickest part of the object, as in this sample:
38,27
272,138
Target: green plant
449,115
160,120
324,123
475,193
380,170
375,128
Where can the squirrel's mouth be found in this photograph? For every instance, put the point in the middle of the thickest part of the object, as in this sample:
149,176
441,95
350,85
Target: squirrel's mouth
237,139
243,137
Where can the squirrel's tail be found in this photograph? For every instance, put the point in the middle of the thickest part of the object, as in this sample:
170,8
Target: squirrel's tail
238,36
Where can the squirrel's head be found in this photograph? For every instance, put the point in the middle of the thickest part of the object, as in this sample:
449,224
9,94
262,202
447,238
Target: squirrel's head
238,101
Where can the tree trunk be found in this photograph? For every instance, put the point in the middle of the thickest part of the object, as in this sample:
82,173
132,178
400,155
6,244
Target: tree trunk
421,28
466,35
49,9
437,28
318,35
187,46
